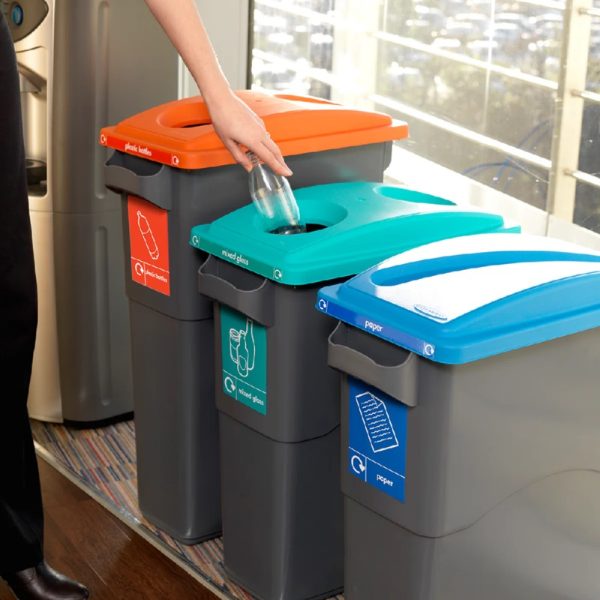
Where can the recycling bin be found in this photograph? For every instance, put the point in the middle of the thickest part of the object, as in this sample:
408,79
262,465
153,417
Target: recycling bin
276,397
173,172
470,417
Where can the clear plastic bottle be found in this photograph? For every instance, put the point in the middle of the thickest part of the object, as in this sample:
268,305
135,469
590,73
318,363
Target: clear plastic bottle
274,199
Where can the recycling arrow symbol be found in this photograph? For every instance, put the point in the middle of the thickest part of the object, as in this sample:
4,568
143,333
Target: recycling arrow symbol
229,385
358,466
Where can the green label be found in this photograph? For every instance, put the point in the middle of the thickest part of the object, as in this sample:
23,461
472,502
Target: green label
244,359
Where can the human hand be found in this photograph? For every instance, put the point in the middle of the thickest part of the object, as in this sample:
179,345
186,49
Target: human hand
237,125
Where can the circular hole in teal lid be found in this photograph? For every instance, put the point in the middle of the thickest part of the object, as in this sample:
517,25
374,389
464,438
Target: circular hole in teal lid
318,215
310,227
400,193
289,230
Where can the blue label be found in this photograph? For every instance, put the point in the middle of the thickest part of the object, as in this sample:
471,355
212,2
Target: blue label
377,438
381,330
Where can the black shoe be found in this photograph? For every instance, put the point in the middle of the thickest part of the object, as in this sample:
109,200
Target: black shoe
44,583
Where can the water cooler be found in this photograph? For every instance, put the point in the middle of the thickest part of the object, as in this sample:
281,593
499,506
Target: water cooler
82,65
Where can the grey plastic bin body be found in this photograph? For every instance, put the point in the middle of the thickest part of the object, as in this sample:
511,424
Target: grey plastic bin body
282,506
172,336
491,492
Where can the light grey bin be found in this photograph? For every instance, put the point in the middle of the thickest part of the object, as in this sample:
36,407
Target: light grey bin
483,355
80,64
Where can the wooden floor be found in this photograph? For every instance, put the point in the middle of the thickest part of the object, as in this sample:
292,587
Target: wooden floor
86,542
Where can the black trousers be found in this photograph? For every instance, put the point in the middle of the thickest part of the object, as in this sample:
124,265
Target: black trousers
21,517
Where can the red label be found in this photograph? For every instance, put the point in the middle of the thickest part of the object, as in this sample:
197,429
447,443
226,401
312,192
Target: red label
149,244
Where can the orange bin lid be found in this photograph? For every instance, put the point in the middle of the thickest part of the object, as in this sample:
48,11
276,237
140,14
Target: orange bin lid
180,133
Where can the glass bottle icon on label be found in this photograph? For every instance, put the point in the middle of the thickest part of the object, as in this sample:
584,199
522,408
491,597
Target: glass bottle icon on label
274,199
147,235
242,348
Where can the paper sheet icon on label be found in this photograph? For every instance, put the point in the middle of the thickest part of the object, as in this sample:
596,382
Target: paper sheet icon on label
377,422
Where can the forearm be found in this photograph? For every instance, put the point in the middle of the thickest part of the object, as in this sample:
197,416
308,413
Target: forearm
236,124
183,25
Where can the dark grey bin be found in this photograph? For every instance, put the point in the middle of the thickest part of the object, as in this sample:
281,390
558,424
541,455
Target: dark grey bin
463,532
172,335
282,521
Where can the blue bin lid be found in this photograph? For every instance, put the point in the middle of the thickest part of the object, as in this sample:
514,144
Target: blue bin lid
464,299
363,224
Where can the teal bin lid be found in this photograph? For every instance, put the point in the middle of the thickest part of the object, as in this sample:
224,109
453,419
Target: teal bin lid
460,300
363,224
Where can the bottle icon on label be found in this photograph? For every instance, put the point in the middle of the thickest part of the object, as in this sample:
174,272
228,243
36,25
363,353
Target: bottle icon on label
242,348
147,235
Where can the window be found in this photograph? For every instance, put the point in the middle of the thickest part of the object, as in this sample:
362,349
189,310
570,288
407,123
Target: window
505,93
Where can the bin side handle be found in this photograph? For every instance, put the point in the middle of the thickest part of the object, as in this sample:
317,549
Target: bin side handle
216,280
153,185
398,379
